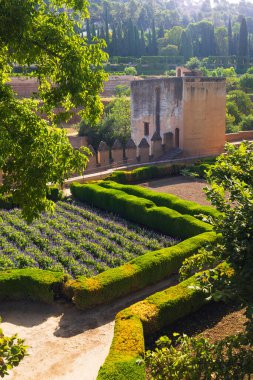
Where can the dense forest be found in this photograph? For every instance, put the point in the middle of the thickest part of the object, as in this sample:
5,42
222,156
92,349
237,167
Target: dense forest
172,28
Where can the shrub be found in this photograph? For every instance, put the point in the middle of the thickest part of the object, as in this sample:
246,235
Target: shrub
164,200
136,204
6,202
127,350
145,173
130,70
54,193
35,284
12,351
138,273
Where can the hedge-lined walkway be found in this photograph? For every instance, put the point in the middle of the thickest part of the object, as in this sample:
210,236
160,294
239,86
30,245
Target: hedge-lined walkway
65,343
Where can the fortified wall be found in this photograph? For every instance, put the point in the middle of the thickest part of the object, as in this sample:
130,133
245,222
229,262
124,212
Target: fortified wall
187,113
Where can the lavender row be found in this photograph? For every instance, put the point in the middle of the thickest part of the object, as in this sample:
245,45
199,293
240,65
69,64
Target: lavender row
78,240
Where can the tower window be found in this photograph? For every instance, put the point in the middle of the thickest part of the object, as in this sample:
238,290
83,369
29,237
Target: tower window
146,129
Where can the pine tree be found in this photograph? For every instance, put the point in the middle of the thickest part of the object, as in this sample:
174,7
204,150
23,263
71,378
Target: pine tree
230,38
243,48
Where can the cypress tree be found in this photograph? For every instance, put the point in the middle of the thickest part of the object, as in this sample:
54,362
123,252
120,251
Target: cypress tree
106,23
230,38
88,33
154,40
93,30
186,49
142,44
114,44
161,32
102,33
243,48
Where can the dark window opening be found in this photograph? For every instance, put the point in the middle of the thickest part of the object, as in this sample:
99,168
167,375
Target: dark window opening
157,109
146,129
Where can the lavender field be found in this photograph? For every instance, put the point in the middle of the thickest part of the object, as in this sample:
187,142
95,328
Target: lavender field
75,239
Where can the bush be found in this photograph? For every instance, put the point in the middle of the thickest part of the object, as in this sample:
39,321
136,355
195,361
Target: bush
164,200
54,193
247,123
145,173
34,284
130,70
125,359
138,273
140,206
6,202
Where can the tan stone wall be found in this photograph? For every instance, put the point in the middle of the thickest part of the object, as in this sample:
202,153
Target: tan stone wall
242,135
204,116
143,106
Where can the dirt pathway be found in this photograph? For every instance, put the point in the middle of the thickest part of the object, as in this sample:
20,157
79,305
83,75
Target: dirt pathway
187,188
65,343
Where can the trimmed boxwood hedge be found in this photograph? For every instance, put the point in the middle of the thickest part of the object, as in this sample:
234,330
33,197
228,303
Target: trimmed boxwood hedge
135,275
163,199
140,210
145,173
124,360
30,283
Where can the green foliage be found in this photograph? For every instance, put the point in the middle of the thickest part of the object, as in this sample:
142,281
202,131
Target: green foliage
70,75
115,123
130,70
145,173
122,89
34,284
125,359
54,193
12,351
193,63
246,82
163,200
197,358
247,123
232,175
138,273
242,101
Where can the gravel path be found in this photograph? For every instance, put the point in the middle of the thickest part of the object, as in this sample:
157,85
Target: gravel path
65,343
187,188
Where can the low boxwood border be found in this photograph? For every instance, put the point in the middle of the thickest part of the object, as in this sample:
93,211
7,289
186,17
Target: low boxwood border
145,173
31,283
163,199
139,210
125,358
140,272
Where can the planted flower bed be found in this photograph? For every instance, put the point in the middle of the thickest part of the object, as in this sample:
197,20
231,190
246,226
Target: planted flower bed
76,239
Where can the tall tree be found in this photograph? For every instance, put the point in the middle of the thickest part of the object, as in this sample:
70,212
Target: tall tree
243,48
186,49
70,75
88,32
230,38
154,39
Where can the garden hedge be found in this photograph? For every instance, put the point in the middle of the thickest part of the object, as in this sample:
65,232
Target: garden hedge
146,173
163,199
145,270
125,359
140,210
30,283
